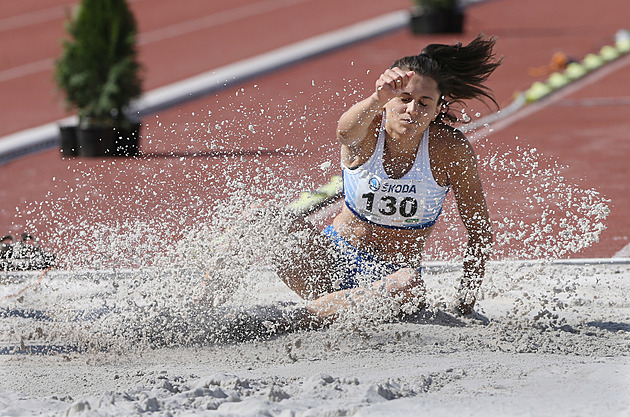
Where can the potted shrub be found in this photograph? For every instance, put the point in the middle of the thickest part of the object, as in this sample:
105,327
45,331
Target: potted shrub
99,74
437,16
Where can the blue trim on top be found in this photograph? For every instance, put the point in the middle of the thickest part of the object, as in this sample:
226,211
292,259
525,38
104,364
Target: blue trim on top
351,250
411,225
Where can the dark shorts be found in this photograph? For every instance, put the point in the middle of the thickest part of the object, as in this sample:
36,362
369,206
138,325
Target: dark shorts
357,266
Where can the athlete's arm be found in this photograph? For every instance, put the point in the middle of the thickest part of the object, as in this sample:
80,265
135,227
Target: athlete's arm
354,125
358,123
471,203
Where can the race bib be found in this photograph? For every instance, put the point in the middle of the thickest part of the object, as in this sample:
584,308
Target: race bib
387,202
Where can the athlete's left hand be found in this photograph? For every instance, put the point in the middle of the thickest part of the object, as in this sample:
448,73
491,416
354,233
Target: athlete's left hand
465,309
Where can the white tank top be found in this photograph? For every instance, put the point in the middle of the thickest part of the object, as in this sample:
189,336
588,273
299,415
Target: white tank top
411,202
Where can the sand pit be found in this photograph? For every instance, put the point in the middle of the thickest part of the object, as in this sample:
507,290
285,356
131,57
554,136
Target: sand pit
548,339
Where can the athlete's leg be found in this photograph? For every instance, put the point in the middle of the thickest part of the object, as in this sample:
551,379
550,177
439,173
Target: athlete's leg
310,266
405,286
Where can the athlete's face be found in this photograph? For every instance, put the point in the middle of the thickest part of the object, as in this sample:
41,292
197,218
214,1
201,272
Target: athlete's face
416,106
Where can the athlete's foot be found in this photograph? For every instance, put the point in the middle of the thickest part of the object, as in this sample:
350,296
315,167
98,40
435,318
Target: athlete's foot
254,211
405,286
301,319
405,282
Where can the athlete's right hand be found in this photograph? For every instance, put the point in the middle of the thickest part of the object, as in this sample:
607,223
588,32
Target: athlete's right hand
391,83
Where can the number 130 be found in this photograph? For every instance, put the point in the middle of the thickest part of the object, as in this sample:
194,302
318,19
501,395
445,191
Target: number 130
407,207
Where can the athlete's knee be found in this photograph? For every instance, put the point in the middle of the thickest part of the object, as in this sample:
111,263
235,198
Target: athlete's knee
406,283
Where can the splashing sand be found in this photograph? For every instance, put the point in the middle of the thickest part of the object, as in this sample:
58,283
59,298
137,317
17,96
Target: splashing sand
160,334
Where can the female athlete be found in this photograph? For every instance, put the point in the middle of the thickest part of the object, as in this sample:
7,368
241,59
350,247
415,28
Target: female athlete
400,157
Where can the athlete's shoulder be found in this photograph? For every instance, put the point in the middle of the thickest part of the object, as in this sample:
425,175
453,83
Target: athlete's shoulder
447,137
353,156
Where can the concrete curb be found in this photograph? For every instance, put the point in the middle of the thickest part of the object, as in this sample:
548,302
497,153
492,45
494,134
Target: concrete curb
15,277
559,81
47,136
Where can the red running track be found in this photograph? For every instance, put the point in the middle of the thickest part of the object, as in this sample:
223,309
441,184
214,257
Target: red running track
585,130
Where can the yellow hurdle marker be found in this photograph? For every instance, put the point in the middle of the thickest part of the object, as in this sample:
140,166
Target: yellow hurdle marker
537,91
308,202
558,80
623,44
593,61
609,53
575,71
311,201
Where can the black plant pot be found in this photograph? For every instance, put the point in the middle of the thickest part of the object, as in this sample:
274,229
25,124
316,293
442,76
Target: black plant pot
126,140
95,141
68,135
437,21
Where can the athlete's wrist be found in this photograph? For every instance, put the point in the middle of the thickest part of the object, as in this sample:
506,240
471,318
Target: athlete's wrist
376,102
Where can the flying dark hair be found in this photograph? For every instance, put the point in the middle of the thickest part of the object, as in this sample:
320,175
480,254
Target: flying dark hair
460,71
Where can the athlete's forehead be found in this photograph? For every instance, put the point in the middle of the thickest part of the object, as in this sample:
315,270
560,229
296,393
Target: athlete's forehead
421,87
409,95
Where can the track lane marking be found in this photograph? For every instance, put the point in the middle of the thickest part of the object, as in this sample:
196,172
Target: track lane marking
217,19
521,111
495,123
33,18
157,35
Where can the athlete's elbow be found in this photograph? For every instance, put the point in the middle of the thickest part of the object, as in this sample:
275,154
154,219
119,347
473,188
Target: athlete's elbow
481,235
342,135
486,236
345,137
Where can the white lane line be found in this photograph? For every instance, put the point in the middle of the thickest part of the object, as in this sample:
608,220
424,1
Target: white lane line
494,123
169,32
237,72
499,121
38,16
46,136
34,18
27,69
623,253
595,102
431,266
221,18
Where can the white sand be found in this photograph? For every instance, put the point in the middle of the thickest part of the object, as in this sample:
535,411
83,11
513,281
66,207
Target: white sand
512,359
